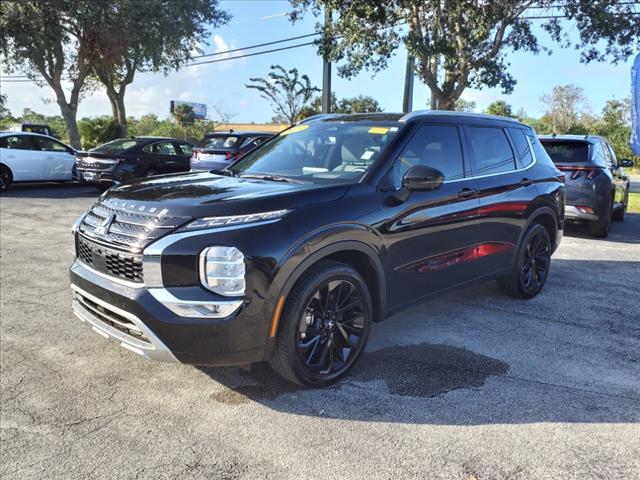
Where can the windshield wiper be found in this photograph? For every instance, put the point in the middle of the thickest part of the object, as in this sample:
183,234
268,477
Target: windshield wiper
273,178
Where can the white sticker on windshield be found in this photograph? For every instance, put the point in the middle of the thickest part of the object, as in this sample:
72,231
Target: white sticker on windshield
367,155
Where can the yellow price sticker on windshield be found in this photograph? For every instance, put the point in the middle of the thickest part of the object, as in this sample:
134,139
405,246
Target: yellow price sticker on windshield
378,130
298,128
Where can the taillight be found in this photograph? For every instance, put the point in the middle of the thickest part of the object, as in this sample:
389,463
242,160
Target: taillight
585,209
576,172
194,154
228,156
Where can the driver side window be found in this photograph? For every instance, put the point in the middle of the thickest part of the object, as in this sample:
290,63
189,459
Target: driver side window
436,146
161,148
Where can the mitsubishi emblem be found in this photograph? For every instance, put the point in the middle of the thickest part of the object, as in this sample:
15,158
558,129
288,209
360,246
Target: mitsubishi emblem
104,226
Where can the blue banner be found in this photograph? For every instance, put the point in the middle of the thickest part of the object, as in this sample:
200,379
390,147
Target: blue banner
635,106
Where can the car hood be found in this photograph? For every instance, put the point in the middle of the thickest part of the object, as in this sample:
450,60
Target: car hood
207,194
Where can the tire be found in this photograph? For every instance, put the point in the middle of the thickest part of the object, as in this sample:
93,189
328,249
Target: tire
531,264
600,228
6,178
309,331
621,213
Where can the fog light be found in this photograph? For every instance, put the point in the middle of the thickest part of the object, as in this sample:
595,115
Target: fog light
222,270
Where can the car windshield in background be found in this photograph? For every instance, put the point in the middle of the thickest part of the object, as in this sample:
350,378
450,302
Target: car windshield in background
323,152
567,152
221,143
116,145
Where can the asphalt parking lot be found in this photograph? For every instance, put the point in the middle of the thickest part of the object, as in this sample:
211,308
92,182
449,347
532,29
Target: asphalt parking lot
472,385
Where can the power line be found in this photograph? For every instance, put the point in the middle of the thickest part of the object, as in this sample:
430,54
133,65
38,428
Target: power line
258,45
251,54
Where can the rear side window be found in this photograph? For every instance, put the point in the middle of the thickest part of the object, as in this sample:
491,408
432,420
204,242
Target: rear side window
599,157
185,148
436,146
491,150
523,153
161,148
567,152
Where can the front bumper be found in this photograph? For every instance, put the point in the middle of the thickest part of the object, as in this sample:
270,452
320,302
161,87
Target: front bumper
571,212
136,317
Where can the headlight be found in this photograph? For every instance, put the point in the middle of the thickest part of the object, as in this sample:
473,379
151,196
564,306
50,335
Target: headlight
222,271
215,222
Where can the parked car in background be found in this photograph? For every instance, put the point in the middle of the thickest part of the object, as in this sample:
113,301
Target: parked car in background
130,158
31,157
219,149
31,127
597,187
305,242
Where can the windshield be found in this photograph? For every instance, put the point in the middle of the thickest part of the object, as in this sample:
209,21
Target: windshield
323,152
116,145
567,152
221,142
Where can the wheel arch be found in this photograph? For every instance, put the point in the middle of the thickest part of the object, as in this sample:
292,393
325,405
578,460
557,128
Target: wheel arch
363,257
546,217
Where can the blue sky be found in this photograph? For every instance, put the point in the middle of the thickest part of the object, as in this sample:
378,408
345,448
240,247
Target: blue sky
221,85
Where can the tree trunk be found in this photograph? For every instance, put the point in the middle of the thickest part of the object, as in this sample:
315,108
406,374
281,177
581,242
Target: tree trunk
69,112
122,113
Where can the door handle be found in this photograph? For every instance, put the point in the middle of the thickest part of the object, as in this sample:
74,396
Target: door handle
525,182
467,192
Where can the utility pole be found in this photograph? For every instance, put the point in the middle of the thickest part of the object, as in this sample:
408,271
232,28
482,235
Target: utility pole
434,72
326,69
407,99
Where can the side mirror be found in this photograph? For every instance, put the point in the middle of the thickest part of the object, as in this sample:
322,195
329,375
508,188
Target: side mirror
625,162
421,178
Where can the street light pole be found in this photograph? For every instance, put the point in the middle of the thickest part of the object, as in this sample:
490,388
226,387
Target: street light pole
326,69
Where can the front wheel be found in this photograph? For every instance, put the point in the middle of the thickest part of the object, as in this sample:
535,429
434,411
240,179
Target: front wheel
324,326
531,265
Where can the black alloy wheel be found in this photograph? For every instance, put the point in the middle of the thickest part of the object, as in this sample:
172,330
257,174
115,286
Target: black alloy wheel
530,267
331,327
324,326
535,264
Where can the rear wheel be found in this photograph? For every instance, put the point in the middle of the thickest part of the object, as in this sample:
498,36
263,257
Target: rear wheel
5,178
621,213
600,228
531,265
324,326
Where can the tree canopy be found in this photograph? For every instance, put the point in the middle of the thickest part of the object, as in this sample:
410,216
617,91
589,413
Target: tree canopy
287,90
500,108
357,104
464,43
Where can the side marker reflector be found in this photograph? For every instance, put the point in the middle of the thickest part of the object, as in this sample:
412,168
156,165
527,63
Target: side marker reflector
276,317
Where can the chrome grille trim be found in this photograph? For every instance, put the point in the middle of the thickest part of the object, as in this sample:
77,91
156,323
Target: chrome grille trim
129,230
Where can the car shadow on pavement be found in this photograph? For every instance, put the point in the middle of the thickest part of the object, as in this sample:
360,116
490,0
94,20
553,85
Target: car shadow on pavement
51,190
550,364
627,231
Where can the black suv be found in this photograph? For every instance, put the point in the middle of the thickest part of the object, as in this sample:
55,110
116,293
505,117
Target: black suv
597,187
129,158
305,242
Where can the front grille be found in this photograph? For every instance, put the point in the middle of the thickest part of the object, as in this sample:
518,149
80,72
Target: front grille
88,163
130,227
112,319
126,266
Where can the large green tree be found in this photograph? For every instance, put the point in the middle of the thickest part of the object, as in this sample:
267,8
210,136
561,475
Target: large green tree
464,43
287,90
500,108
147,35
47,40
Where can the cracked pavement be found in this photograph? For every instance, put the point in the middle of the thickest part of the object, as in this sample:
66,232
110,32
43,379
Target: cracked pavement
472,385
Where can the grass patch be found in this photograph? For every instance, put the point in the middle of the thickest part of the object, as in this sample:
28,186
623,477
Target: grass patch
634,203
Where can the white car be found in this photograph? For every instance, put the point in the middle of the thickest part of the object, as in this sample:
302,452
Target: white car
31,157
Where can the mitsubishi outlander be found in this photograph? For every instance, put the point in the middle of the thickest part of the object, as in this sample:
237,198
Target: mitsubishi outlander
292,253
